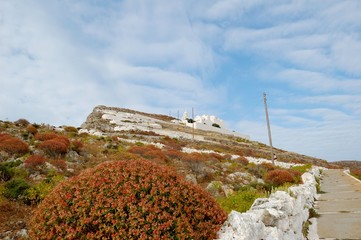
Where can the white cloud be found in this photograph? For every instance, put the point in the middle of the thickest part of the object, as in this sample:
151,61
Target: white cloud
59,59
318,82
346,54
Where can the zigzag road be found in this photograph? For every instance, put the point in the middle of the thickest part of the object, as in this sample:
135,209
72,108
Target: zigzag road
339,206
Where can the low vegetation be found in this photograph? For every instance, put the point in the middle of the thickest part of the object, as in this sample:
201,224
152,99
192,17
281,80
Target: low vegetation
356,173
128,200
36,159
241,200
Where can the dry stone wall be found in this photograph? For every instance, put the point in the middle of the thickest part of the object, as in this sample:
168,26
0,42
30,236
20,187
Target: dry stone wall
282,216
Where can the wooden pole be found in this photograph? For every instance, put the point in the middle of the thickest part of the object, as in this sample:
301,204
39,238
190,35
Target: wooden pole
193,121
269,128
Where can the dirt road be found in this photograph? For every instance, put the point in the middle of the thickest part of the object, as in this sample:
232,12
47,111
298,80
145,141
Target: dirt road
339,206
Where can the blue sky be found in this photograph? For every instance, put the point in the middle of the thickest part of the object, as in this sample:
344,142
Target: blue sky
59,59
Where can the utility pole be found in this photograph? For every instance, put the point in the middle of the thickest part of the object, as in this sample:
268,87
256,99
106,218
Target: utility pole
269,128
193,121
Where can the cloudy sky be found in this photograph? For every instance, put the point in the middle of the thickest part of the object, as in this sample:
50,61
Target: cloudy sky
59,59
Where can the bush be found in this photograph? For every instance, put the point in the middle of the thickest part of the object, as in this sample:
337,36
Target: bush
36,193
172,143
195,161
31,129
77,146
22,122
34,162
7,170
242,160
279,177
70,129
13,145
63,139
16,189
356,173
59,163
54,147
127,200
173,154
5,136
45,136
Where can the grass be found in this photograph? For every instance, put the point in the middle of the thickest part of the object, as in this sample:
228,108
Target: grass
240,201
303,168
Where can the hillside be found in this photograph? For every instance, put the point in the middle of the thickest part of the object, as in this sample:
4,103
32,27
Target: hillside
349,164
36,157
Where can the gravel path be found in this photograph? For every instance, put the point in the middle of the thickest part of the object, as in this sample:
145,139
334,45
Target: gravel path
339,206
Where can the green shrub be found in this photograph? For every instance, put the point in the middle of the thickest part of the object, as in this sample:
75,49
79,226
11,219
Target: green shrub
36,193
7,170
127,200
240,201
16,189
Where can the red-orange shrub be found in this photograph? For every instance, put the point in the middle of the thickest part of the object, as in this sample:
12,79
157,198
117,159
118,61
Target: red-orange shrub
13,145
31,129
53,147
296,175
279,177
172,143
59,163
149,152
4,136
45,136
127,200
356,172
34,162
215,157
63,139
141,150
242,160
173,154
77,145
194,157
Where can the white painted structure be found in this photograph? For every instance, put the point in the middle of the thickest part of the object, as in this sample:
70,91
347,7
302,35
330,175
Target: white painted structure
210,123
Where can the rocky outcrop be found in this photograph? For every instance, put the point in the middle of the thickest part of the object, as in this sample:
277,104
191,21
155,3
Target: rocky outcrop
282,216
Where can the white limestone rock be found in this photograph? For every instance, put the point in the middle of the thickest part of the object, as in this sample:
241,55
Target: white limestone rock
242,227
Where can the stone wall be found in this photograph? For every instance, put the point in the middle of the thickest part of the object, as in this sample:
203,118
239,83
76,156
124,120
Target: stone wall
282,216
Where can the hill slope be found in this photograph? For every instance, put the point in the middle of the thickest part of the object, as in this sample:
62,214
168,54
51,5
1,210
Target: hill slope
36,157
110,121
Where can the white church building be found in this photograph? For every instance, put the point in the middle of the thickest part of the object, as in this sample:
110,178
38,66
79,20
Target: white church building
209,123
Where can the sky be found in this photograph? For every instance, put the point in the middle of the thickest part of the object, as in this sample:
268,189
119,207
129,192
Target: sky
60,59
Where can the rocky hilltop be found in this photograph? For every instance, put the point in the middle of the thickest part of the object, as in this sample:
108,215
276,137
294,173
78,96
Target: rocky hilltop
111,121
